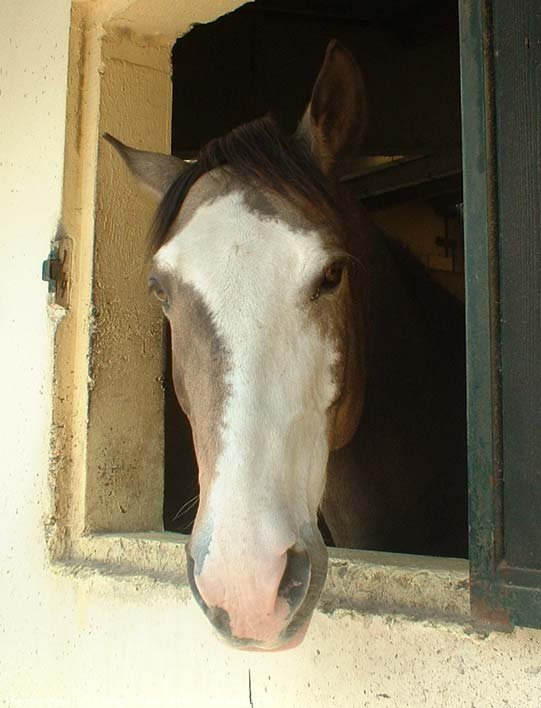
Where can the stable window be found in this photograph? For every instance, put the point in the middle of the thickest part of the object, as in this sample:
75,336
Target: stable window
108,455
406,172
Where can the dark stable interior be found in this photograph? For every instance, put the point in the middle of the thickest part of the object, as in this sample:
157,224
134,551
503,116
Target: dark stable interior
264,58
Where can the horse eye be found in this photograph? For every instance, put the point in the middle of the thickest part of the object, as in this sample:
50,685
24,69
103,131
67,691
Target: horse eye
332,276
331,279
160,294
158,291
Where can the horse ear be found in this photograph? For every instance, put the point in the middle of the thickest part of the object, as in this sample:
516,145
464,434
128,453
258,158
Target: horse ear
153,171
336,117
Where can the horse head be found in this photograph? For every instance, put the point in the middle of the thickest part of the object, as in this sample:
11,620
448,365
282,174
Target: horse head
256,272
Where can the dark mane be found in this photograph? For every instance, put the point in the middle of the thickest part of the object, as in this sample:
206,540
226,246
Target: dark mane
261,154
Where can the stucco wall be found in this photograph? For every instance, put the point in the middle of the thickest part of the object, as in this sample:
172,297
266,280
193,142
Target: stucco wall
77,637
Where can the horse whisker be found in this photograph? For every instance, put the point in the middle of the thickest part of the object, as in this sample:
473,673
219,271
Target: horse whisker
185,508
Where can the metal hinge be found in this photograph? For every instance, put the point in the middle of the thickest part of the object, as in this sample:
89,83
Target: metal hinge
55,269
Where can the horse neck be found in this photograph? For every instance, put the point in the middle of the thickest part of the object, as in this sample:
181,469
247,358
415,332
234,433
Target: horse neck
400,348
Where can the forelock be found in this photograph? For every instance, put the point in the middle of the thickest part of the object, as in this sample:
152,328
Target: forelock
261,155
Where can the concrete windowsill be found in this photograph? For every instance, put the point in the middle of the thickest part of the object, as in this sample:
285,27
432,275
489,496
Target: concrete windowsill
363,581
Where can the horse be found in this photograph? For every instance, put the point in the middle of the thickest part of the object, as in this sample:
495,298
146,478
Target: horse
319,366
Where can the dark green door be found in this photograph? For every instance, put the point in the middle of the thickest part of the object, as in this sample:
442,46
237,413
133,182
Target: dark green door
501,95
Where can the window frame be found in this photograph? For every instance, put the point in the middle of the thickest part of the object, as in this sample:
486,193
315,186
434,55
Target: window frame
501,595
358,580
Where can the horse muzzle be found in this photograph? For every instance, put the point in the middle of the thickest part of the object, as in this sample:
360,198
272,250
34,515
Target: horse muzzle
269,612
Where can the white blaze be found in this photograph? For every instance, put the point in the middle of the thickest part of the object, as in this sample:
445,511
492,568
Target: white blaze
254,275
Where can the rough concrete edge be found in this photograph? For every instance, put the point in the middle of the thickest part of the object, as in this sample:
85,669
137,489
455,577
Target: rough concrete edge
124,18
361,582
385,583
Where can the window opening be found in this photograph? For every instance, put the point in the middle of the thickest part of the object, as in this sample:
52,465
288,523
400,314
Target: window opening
407,173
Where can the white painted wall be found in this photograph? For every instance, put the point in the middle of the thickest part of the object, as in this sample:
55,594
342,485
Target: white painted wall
83,639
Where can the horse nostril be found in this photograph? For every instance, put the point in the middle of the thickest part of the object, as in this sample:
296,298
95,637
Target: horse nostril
190,571
251,625
296,578
218,616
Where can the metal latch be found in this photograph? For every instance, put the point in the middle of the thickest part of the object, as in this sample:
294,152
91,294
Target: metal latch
54,269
